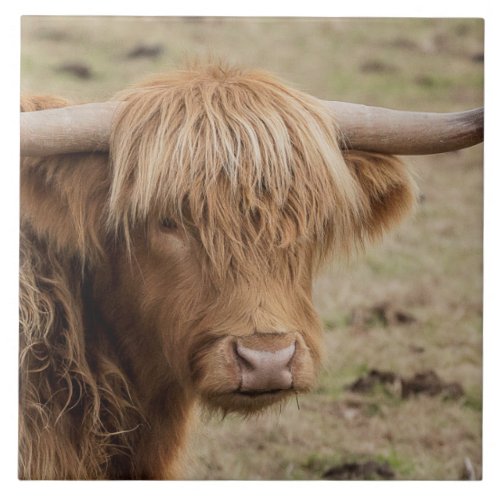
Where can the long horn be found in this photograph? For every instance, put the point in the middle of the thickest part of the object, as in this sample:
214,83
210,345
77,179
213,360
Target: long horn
87,128
382,130
74,129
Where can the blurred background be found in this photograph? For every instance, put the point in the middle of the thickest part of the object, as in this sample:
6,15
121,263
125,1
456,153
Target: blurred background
400,396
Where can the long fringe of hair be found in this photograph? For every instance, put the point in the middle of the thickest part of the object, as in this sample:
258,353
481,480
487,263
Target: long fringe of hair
251,164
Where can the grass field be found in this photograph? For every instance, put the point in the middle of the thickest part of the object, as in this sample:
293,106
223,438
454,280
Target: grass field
411,305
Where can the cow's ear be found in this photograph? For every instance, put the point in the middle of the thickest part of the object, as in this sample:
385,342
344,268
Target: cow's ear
63,202
388,188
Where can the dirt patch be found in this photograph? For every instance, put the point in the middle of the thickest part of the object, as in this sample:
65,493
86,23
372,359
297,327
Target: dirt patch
416,349
367,382
377,67
383,313
478,57
360,470
425,81
401,42
55,35
145,51
80,70
428,383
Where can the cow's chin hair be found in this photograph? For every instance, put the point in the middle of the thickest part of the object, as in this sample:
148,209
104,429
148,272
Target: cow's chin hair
246,404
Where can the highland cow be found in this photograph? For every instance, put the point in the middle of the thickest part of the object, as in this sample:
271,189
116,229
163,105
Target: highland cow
177,268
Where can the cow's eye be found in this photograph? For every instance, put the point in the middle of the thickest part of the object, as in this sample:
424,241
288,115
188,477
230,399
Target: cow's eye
167,224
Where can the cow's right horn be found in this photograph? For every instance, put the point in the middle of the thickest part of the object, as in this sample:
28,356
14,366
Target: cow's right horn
74,129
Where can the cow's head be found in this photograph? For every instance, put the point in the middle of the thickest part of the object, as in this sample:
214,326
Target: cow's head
228,191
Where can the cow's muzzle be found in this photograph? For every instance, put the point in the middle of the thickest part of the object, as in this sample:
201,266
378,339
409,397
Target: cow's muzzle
245,372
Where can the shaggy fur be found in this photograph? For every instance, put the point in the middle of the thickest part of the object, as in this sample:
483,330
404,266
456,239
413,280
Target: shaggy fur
223,193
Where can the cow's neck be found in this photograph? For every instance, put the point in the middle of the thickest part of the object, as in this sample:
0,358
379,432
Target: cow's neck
164,403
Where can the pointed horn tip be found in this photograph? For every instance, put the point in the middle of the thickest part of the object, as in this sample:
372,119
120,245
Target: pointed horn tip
476,117
390,131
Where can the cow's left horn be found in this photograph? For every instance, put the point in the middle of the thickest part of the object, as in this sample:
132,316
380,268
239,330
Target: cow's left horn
87,128
382,130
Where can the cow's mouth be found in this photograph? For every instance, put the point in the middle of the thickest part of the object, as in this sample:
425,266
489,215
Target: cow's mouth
256,394
248,401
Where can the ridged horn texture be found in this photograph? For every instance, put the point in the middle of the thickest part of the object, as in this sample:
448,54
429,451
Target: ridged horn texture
87,128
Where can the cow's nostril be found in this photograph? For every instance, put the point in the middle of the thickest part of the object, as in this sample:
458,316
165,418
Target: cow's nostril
265,371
